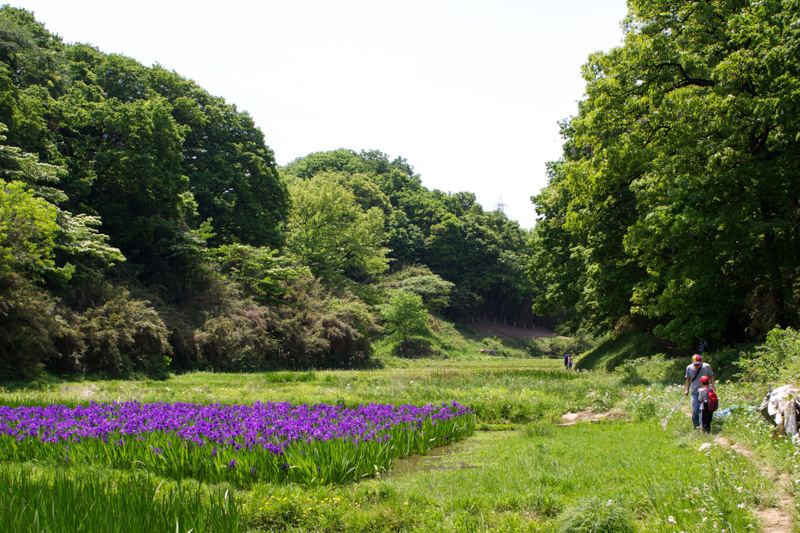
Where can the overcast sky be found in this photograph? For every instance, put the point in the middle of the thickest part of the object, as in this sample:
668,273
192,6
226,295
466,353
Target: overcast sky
470,93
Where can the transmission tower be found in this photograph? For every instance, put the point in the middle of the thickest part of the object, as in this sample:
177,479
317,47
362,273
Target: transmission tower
500,205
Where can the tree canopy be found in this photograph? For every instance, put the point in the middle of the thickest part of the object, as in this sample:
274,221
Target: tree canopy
484,254
677,198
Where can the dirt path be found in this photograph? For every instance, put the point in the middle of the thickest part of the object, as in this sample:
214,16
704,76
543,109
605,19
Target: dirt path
589,415
778,519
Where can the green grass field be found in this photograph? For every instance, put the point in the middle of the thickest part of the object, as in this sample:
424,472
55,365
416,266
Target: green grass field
521,471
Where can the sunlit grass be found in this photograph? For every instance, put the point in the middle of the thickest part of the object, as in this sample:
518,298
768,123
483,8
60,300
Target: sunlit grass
521,479
36,499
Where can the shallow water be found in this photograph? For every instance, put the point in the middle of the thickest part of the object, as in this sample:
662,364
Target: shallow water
442,458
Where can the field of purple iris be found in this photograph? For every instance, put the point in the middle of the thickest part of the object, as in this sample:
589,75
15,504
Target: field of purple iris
240,444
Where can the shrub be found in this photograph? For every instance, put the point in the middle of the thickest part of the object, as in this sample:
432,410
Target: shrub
310,329
27,327
123,336
414,347
594,515
775,361
241,339
629,372
332,337
419,280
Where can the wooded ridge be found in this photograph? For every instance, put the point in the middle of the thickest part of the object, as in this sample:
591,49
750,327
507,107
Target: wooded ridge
145,225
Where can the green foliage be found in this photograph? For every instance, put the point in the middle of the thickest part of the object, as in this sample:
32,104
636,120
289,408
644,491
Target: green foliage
260,272
629,372
482,254
37,237
405,313
674,200
27,230
776,361
135,133
592,515
123,336
332,233
419,280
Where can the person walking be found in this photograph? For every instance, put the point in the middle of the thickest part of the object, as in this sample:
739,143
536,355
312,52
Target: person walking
570,362
696,370
704,396
566,361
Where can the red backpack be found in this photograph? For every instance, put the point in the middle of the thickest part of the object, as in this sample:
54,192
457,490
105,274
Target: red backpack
713,401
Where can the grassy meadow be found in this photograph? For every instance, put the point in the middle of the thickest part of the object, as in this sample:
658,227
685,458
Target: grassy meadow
522,470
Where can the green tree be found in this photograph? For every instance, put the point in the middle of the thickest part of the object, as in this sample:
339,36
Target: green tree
261,272
483,254
39,243
405,314
331,233
676,201
419,280
27,231
34,229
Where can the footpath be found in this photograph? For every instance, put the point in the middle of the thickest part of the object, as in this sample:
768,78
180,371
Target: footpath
777,519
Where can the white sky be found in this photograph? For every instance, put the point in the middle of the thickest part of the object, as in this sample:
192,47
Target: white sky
468,92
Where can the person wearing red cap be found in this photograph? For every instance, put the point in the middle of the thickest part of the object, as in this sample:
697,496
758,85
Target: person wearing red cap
706,414
694,372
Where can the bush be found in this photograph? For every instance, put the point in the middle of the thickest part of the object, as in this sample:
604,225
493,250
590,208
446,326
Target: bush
594,515
775,361
419,280
414,347
28,324
123,336
241,339
629,372
335,336
311,329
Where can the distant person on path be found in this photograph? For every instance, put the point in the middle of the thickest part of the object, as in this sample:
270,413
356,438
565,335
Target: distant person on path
694,372
570,362
703,346
566,361
706,412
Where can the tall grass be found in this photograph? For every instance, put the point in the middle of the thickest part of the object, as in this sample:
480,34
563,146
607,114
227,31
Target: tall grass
539,481
521,480
57,500
498,391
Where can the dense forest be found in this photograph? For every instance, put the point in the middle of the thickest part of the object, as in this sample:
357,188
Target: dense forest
145,225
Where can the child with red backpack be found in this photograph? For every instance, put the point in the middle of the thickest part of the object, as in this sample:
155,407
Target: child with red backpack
708,403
